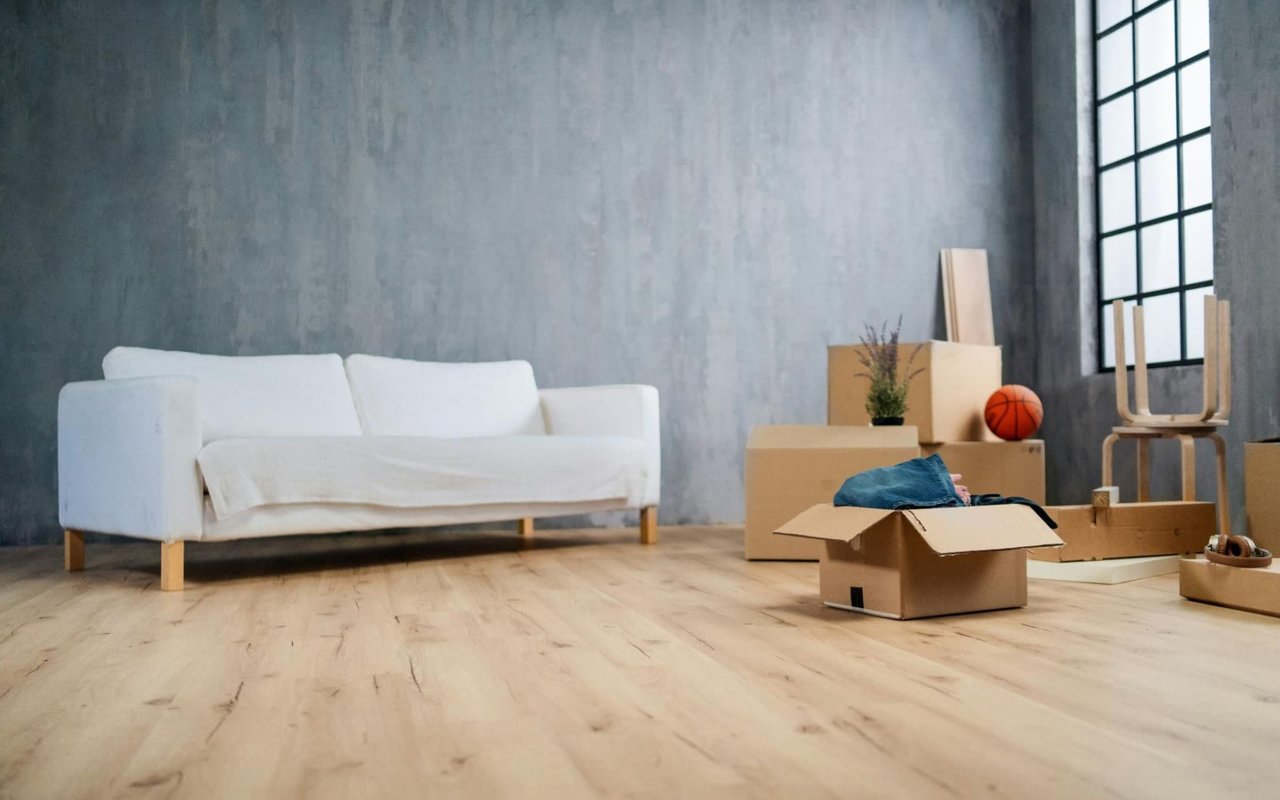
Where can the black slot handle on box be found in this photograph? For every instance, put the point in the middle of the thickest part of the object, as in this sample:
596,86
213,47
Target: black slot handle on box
855,596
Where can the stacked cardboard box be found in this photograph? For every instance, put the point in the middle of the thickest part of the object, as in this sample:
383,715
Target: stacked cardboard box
792,467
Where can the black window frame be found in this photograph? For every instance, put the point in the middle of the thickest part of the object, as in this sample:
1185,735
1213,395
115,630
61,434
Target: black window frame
1103,305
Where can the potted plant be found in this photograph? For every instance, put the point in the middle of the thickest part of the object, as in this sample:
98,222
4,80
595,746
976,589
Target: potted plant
887,397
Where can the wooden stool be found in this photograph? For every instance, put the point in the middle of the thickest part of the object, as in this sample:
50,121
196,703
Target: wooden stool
1142,426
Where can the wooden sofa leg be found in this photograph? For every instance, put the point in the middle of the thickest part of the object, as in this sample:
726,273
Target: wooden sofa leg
73,550
171,564
649,525
525,526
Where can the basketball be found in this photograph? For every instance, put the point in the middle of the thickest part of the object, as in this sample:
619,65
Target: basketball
1013,412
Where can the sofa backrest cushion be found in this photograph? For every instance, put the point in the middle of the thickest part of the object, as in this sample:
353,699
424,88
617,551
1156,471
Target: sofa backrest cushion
249,396
397,397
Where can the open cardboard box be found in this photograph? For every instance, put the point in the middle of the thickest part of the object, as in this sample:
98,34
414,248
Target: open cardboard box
946,400
791,467
922,562
1129,530
1249,589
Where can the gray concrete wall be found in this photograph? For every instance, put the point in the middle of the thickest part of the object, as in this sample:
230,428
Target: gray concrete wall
1246,162
697,195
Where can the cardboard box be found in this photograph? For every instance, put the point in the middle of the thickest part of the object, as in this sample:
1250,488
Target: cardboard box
791,467
1262,492
1013,469
945,402
1248,589
923,562
1129,530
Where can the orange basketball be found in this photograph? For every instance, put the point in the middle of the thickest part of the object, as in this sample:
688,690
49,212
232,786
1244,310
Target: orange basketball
1013,412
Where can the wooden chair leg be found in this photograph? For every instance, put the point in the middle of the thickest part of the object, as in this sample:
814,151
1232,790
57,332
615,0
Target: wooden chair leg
649,525
73,550
525,526
1144,470
1108,450
1224,499
1188,445
171,566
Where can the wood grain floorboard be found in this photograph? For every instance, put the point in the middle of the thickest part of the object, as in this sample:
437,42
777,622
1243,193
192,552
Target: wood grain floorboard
581,664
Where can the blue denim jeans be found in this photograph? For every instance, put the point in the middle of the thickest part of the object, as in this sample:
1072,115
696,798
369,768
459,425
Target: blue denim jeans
918,483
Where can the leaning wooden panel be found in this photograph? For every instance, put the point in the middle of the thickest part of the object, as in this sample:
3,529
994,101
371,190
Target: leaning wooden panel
966,287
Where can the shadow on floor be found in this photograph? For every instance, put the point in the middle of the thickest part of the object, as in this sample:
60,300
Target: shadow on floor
222,562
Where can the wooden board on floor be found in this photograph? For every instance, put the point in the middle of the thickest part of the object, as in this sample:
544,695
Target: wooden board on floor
582,664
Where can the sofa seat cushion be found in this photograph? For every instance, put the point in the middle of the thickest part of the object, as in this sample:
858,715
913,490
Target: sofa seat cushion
398,397
419,472
245,396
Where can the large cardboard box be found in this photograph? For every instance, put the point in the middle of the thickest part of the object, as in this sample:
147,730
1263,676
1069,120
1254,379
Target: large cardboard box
1128,530
923,562
1013,469
1250,589
791,467
945,402
1262,492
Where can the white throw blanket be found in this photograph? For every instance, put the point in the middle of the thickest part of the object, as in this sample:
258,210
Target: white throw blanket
420,472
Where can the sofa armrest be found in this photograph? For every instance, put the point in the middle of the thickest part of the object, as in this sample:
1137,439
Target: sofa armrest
621,410
127,457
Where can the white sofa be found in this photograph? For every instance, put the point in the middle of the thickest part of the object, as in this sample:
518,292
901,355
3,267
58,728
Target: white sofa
178,447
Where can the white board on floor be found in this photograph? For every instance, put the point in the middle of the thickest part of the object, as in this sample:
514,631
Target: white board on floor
1108,571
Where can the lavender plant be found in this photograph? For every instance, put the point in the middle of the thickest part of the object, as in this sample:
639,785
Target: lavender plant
887,396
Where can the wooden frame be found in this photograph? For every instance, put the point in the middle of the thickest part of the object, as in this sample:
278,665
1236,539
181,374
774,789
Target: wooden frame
524,526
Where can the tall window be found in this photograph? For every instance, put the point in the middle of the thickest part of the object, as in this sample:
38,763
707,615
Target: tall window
1155,194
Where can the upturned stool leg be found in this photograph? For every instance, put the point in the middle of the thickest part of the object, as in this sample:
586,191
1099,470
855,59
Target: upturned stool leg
1144,470
1188,445
1224,499
1108,450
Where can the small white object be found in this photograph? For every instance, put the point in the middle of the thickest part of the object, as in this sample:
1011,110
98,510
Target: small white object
1112,492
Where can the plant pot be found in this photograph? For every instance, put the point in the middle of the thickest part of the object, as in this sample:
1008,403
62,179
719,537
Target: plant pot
886,421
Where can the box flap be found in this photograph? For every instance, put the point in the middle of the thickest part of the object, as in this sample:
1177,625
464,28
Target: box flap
949,531
833,523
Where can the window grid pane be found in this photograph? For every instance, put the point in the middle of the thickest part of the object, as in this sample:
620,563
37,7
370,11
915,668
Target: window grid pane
1153,166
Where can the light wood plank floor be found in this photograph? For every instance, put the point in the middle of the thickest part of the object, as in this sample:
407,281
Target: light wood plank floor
583,664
